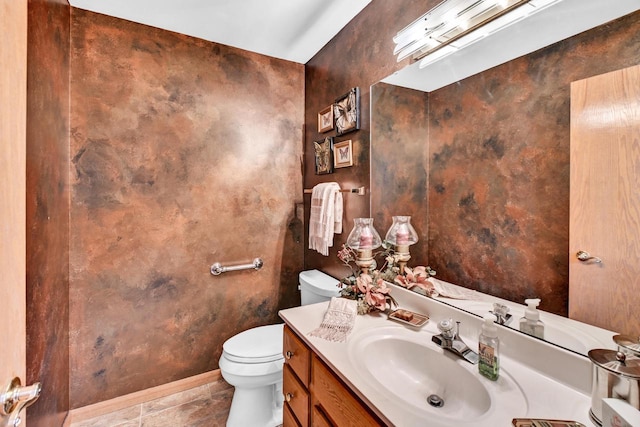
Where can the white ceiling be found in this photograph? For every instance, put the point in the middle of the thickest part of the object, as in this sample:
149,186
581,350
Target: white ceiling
294,30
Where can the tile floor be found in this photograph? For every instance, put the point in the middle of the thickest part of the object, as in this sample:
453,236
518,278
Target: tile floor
204,406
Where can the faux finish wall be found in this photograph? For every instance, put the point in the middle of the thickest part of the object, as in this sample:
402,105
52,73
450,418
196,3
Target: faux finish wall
499,166
47,200
400,131
359,56
183,153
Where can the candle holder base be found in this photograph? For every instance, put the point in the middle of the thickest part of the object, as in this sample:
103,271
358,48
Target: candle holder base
402,256
365,260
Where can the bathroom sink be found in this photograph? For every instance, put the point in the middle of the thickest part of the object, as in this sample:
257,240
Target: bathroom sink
407,367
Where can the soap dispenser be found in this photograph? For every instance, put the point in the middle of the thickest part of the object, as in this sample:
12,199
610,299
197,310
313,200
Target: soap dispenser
530,323
488,344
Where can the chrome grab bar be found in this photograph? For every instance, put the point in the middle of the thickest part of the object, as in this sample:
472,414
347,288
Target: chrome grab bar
217,268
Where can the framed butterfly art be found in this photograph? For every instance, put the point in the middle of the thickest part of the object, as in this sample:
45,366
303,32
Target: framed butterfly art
346,112
343,154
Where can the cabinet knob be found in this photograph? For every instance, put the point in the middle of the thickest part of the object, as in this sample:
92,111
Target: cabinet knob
288,354
288,397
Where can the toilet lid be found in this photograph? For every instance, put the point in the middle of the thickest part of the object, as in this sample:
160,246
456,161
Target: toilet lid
256,345
319,283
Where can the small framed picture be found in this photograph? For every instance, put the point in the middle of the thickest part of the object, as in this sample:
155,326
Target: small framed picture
325,119
343,154
324,156
346,112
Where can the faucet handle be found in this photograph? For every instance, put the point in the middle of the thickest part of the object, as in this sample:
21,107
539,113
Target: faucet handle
446,328
501,312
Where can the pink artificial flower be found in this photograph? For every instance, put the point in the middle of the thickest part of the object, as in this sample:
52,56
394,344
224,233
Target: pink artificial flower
402,281
374,295
364,283
376,300
418,277
382,287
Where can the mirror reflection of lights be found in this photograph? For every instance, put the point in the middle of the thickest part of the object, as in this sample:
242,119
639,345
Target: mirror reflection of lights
462,22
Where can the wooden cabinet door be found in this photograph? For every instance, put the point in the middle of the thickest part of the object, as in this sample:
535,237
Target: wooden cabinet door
296,355
329,396
605,201
296,396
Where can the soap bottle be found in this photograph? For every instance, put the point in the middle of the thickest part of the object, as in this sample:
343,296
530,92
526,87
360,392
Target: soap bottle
488,344
530,323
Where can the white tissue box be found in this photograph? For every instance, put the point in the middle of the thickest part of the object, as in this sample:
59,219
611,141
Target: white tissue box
618,413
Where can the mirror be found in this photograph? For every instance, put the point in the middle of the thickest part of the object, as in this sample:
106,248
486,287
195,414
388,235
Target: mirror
482,166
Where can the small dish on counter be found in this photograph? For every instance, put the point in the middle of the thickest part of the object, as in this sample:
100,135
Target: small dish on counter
409,317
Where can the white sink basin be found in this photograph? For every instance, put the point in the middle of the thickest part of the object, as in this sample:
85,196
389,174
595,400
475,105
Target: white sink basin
407,367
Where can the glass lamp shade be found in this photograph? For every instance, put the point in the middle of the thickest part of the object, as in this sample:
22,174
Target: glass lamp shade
363,236
401,232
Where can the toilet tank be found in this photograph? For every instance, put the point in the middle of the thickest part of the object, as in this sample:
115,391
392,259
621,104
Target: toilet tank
316,286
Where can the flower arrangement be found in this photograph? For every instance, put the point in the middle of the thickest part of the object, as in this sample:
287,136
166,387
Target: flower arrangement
417,279
371,290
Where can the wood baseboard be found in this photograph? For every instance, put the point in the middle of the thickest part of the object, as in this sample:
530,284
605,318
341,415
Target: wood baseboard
132,399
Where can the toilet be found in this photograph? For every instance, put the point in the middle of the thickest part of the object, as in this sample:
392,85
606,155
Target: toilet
252,361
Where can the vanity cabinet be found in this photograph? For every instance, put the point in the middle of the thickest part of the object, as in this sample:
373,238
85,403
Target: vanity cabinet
295,380
314,395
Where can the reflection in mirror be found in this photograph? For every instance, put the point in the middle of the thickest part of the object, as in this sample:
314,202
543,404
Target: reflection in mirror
482,166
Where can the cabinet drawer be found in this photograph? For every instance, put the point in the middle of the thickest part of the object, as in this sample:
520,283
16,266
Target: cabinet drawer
296,355
295,396
336,401
288,419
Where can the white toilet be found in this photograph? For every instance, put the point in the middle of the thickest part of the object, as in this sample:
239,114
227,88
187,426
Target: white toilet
252,361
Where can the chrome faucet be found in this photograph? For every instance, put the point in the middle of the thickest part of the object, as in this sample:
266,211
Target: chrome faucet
501,312
449,339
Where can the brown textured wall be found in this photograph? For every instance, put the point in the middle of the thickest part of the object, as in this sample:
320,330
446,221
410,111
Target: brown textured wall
359,56
184,153
499,167
48,209
400,129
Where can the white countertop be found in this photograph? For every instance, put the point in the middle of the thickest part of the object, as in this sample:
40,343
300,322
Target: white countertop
526,388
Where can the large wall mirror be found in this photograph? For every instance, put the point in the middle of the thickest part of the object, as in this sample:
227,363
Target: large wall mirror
483,167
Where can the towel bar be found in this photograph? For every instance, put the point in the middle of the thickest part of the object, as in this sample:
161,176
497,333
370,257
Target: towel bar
217,268
360,191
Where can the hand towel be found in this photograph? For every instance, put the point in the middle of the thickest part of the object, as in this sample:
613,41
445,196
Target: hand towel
448,290
338,321
326,216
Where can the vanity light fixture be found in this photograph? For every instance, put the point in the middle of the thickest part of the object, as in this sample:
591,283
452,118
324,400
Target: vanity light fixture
364,239
453,24
401,234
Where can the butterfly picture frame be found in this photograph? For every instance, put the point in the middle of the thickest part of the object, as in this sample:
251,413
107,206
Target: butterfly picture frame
346,112
325,119
343,154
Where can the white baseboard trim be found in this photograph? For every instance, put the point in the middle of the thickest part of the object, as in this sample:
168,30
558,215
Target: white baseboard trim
138,397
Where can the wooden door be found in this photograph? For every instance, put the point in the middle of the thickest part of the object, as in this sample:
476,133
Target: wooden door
13,95
605,201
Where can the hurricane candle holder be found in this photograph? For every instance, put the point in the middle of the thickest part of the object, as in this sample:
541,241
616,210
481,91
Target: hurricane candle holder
364,239
401,234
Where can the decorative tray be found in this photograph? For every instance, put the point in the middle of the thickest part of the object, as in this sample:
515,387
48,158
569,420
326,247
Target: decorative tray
409,317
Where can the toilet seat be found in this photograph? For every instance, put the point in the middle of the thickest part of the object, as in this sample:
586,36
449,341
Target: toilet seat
257,345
